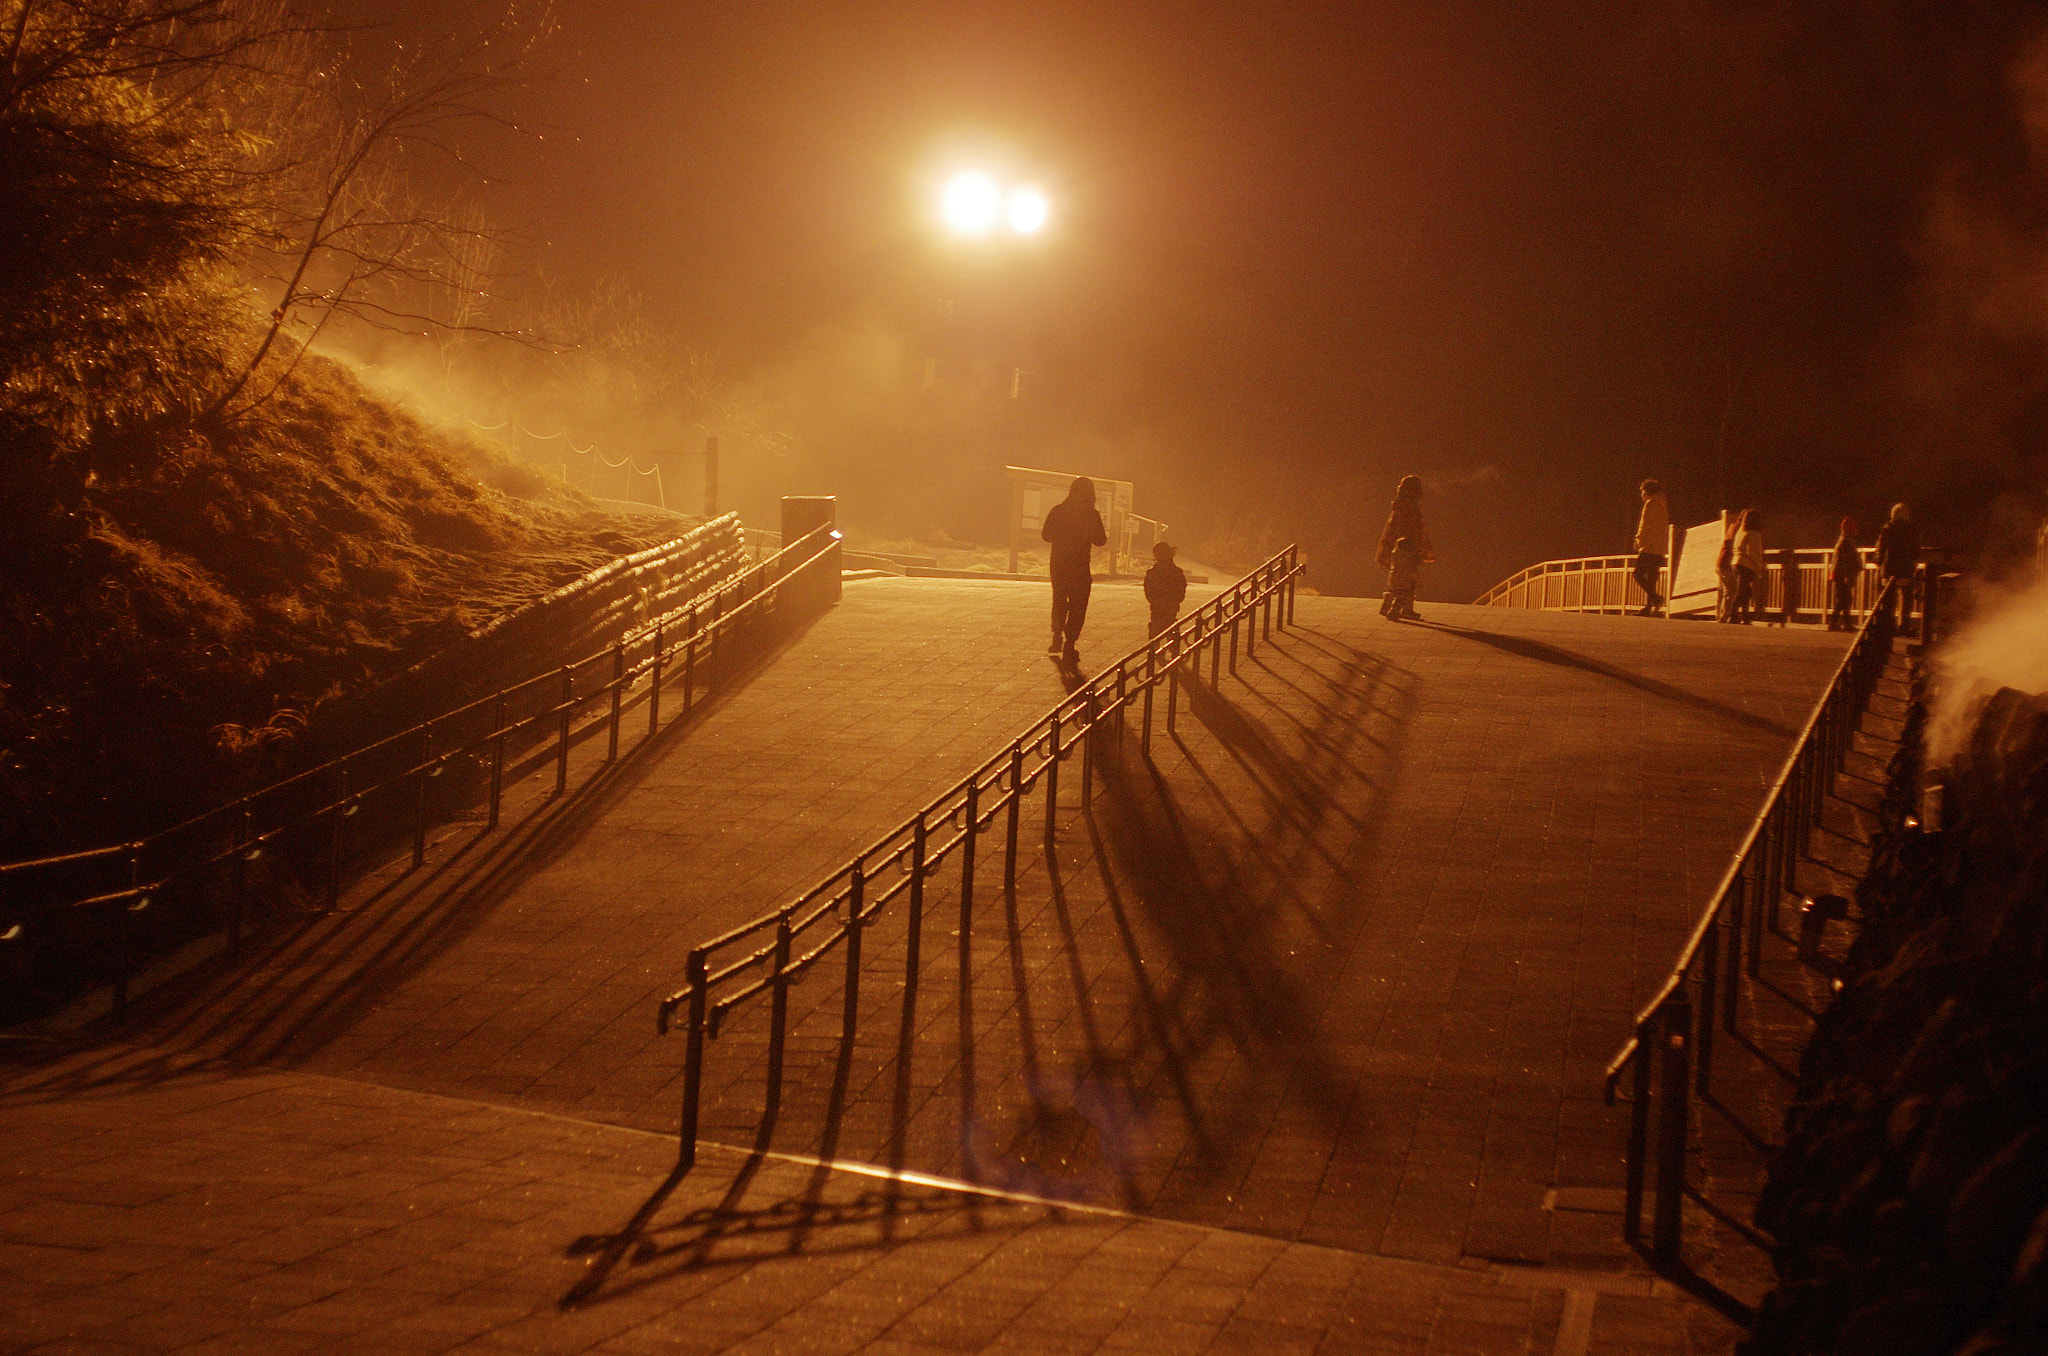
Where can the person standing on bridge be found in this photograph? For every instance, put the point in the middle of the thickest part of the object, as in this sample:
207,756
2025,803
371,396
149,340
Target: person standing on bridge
1074,528
1845,567
1749,567
1404,519
1898,556
1653,536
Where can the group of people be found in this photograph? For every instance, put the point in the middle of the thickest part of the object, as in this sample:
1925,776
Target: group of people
1740,564
1074,528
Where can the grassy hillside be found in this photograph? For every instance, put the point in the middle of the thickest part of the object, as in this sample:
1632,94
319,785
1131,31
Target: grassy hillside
168,580
202,524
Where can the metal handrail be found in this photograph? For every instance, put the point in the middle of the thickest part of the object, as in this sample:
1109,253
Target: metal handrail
752,591
1762,869
996,788
1618,592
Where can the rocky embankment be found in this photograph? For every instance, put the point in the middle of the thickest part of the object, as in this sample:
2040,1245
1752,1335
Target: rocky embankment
1910,1202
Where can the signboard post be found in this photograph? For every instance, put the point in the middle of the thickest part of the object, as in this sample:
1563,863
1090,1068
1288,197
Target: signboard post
1033,492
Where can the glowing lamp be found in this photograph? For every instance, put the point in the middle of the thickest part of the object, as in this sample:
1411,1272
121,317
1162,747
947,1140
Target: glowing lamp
972,203
1027,210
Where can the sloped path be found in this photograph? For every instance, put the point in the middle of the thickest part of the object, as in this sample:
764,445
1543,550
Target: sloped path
1339,966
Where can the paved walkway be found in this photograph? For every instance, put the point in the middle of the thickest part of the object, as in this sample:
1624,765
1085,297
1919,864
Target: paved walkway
204,1211
1336,969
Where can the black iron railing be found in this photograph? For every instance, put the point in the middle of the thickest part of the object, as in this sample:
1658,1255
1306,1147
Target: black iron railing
207,861
774,951
1671,1053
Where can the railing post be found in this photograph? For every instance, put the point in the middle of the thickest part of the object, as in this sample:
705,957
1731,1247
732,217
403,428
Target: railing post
618,697
1173,686
913,943
497,759
1216,653
1930,602
1710,979
778,1014
337,842
1236,620
419,800
1638,1157
125,963
717,672
244,827
965,1002
1051,773
562,740
856,897
654,684
1016,810
689,656
1151,682
695,973
1673,1124
1089,719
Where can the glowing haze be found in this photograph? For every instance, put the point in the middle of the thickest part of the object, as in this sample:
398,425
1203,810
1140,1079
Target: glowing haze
1265,262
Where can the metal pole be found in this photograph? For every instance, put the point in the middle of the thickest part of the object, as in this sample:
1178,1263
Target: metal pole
689,656
1710,978
849,1014
1016,809
778,1013
618,696
497,759
419,800
243,829
1089,720
966,999
1673,1114
1052,781
913,946
562,740
654,685
340,824
694,974
1151,681
1639,1132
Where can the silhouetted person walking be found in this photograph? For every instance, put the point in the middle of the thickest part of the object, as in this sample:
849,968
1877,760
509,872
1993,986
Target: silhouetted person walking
1404,519
1845,567
1166,584
1074,528
1898,556
1653,536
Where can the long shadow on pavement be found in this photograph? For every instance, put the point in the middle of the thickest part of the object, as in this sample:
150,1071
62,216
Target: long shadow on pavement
332,968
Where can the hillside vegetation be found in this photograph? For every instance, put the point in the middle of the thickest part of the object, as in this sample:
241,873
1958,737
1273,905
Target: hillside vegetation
205,523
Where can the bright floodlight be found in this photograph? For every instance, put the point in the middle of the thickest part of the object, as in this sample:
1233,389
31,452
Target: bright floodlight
1027,210
972,203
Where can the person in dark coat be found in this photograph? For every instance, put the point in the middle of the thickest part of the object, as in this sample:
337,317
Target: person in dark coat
1845,567
1404,519
1898,556
1074,528
1166,584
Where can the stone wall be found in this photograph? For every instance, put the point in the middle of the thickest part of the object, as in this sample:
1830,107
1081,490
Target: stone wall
1910,1202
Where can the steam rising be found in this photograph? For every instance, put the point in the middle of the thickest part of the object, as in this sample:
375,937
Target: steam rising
2006,647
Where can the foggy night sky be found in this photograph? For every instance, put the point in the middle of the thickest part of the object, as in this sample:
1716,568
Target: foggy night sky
1791,255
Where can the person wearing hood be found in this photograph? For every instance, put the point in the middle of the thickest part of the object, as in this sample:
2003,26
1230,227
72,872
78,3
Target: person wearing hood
1898,556
1074,527
1404,519
1845,567
1653,537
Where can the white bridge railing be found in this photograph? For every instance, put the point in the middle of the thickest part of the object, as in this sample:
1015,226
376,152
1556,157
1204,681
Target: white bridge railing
1794,588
